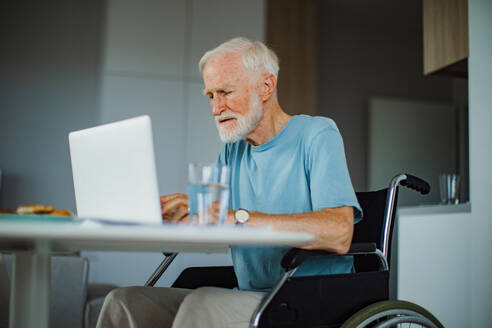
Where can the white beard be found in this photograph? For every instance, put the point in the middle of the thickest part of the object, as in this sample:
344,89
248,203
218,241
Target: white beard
245,124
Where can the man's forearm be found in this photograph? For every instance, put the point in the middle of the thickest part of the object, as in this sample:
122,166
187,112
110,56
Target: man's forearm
331,227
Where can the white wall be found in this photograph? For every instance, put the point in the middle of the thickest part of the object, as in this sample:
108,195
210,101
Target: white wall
480,86
150,60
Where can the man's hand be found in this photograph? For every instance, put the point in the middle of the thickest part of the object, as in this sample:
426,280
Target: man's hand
230,219
214,214
175,208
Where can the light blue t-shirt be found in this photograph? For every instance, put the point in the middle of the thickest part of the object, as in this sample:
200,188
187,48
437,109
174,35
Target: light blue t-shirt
302,169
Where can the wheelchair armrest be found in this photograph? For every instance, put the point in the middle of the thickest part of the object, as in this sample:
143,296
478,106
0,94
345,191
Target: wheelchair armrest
295,256
361,248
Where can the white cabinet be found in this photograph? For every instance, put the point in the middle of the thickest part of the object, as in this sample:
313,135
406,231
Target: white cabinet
434,262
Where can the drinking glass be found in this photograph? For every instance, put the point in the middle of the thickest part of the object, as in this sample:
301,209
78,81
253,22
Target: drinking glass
208,192
449,184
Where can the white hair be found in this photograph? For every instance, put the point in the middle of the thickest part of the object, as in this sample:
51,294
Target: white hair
255,56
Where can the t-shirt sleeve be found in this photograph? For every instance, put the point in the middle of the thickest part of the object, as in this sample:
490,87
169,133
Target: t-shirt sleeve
328,174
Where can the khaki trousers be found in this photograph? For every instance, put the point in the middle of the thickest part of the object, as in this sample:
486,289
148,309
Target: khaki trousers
132,307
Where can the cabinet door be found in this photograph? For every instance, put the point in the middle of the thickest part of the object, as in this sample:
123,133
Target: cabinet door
445,33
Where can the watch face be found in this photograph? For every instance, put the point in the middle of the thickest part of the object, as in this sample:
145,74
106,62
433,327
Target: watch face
241,215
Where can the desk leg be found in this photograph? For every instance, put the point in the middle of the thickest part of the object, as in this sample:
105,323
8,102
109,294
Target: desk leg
30,290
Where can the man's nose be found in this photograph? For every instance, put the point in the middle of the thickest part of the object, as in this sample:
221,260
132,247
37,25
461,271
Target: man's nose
218,105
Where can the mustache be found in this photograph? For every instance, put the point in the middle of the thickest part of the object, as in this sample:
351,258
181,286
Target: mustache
225,116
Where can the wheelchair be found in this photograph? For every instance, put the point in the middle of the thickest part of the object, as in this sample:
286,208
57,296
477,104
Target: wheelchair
358,299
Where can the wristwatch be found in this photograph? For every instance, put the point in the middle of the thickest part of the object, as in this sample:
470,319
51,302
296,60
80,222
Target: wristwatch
241,215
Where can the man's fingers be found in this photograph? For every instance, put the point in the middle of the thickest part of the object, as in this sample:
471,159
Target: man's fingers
173,204
213,212
176,214
214,209
181,213
215,205
186,219
174,207
169,197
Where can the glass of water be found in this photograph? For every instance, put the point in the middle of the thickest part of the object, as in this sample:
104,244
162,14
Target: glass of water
449,186
208,192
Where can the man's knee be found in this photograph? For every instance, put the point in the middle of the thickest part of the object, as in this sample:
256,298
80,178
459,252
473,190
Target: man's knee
122,295
216,307
199,297
198,308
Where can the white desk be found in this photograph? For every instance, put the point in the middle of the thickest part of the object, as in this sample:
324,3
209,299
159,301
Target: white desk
32,242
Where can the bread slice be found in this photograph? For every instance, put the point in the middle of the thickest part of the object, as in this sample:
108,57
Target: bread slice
35,209
61,212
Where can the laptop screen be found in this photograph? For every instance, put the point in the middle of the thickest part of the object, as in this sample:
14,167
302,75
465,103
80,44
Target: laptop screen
114,172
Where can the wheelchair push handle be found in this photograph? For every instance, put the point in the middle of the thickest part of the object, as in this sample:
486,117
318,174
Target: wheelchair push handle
416,183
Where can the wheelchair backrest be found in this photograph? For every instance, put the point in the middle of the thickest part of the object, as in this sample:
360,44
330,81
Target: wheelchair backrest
371,228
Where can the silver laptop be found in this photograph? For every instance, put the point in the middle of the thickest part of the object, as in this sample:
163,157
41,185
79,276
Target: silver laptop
114,172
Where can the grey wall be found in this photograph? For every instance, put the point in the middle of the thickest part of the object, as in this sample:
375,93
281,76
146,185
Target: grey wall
413,145
49,82
370,49
68,65
150,56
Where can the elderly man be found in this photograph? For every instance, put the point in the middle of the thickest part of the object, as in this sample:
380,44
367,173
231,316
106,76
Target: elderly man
287,172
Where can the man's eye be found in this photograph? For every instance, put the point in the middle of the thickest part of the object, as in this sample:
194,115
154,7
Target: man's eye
224,92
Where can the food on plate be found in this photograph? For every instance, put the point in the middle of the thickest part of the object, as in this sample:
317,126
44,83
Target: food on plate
35,209
61,212
42,209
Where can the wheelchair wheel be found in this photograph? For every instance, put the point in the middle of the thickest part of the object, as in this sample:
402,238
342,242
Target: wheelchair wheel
392,314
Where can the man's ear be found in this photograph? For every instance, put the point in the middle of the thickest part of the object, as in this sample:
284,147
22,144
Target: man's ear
268,86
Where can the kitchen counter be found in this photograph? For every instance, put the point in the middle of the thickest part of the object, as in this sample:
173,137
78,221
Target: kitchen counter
435,209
